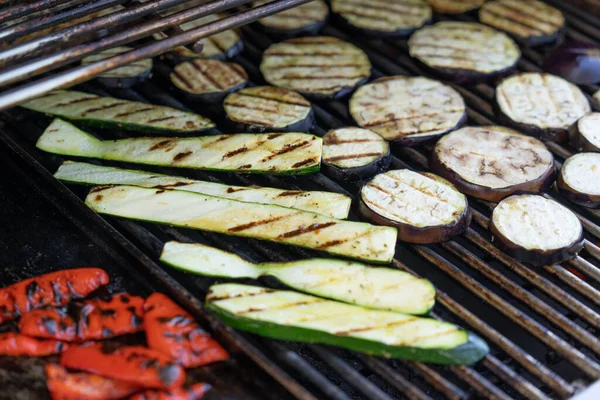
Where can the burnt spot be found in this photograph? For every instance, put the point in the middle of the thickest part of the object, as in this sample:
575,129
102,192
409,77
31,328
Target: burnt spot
148,363
177,320
306,229
136,321
223,137
245,166
274,136
160,191
98,197
152,121
107,333
161,145
285,149
235,152
233,190
58,297
105,107
290,193
351,156
331,244
30,291
254,224
172,185
76,101
50,325
124,299
308,161
169,373
182,155
130,113
108,312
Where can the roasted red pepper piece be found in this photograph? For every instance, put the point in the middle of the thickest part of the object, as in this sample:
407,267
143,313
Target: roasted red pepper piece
49,323
121,315
170,329
81,385
194,392
139,365
15,344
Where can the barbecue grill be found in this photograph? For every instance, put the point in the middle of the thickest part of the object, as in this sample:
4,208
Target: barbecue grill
542,324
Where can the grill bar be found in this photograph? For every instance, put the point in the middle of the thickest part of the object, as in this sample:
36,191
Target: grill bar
27,8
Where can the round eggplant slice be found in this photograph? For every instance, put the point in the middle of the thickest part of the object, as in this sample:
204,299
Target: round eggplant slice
536,230
383,18
307,19
493,162
531,23
424,207
208,81
408,111
455,6
584,135
122,77
578,179
354,154
463,51
541,105
319,67
268,109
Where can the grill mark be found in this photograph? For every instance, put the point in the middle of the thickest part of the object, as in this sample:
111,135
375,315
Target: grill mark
506,99
319,78
233,190
239,295
106,107
240,74
374,206
530,27
290,193
151,121
551,99
286,149
322,66
254,224
284,54
245,166
50,94
274,136
216,44
351,156
407,7
372,328
181,156
187,83
524,10
341,241
306,105
161,144
282,307
437,334
208,77
252,121
425,192
335,142
262,109
235,152
308,229
76,101
303,163
127,114
393,118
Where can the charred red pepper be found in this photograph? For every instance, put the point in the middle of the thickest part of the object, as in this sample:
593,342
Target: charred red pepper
121,315
171,330
49,323
64,385
15,344
139,365
194,392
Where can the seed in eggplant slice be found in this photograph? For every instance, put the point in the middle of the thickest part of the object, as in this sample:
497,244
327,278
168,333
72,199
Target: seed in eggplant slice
424,207
208,81
536,230
307,19
579,179
122,77
320,67
493,162
268,109
463,51
455,6
584,134
354,154
408,111
531,22
382,18
541,105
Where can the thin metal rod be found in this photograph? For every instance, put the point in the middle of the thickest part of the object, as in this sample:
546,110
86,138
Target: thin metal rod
585,267
28,8
482,385
515,380
592,249
575,282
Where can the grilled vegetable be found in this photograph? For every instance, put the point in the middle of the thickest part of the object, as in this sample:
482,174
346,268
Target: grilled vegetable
194,392
138,365
536,230
268,109
49,323
532,23
353,154
208,81
577,62
350,282
455,6
307,19
15,344
382,18
107,112
541,105
332,205
578,179
290,153
122,77
267,222
103,319
463,51
171,330
493,162
293,316
319,67
408,111
584,134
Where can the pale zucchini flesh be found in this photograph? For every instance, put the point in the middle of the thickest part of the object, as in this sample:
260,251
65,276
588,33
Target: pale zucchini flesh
267,222
349,282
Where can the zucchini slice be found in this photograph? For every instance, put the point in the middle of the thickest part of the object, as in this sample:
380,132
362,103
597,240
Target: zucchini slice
122,77
541,105
465,52
320,67
307,19
455,6
408,111
493,162
287,315
329,204
578,179
354,154
349,282
108,112
584,135
268,109
260,221
208,81
289,153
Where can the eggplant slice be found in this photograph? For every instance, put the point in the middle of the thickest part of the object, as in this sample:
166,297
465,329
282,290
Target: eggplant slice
319,67
584,135
579,179
354,154
455,6
536,230
424,207
208,81
531,22
383,18
493,162
541,105
307,19
122,77
465,52
408,111
268,109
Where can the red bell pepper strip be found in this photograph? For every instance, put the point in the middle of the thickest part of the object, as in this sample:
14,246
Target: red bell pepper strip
121,315
49,323
15,344
139,365
68,385
171,330
194,392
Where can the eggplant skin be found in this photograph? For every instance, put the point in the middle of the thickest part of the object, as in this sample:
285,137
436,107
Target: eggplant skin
125,82
557,135
582,199
358,174
467,76
304,125
578,141
409,141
